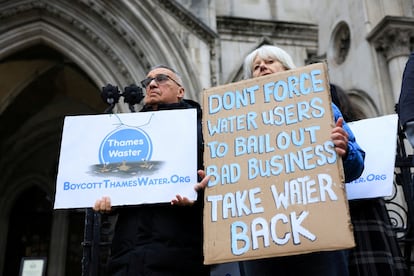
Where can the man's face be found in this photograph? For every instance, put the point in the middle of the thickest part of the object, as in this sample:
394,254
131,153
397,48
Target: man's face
165,89
266,66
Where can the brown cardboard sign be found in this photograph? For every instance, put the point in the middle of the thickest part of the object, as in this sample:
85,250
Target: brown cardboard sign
276,185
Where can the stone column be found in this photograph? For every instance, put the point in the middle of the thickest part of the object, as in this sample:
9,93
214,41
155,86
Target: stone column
58,243
4,225
391,37
396,50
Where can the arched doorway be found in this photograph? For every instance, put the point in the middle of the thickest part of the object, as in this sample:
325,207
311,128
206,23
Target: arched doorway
40,87
54,57
30,225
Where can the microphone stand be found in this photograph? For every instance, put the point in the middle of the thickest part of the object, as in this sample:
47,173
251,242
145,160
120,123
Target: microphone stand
97,225
91,238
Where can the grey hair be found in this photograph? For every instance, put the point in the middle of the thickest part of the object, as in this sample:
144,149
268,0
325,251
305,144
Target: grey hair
265,52
179,79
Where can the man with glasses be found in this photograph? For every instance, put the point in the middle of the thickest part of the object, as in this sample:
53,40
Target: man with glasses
161,239
163,87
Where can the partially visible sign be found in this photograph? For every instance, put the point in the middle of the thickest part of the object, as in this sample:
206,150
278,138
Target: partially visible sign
276,184
135,158
378,138
33,266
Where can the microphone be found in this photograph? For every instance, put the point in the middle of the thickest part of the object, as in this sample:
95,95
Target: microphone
132,94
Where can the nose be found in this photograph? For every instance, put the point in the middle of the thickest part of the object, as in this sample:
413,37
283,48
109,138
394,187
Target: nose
262,66
152,84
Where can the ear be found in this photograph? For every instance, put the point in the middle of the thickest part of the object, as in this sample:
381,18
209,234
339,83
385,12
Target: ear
180,93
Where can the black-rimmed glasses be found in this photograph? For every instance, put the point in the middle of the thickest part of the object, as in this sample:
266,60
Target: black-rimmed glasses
160,78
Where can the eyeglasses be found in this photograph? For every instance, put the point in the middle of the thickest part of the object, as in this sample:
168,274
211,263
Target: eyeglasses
160,78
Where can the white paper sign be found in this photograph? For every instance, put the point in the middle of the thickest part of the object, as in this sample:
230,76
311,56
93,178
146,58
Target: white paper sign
135,158
378,138
32,266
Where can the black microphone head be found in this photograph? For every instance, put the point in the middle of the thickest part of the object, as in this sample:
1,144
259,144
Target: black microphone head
133,94
110,94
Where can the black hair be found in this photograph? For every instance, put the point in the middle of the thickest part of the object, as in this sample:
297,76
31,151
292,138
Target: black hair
340,98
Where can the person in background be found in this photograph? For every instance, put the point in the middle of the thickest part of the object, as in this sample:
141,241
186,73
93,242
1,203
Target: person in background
341,99
405,107
161,239
268,60
377,251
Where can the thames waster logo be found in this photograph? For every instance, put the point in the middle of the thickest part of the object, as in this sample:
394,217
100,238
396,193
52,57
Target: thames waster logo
126,152
125,145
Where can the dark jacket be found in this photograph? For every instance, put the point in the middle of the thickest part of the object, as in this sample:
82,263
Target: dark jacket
405,108
160,239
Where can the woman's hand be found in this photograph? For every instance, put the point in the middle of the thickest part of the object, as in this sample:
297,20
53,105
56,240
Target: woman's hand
204,181
340,138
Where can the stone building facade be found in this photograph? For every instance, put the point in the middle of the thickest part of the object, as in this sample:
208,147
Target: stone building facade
55,56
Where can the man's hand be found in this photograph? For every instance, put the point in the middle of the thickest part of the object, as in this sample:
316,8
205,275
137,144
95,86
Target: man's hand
103,204
183,201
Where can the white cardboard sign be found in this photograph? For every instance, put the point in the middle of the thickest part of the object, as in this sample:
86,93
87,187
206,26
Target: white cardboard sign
378,138
135,158
276,186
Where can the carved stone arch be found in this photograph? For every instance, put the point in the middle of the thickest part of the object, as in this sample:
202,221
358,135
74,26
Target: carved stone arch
157,38
150,38
31,161
109,41
113,42
364,103
32,140
10,193
8,200
65,28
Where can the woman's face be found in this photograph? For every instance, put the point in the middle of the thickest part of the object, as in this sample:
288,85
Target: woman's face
266,66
